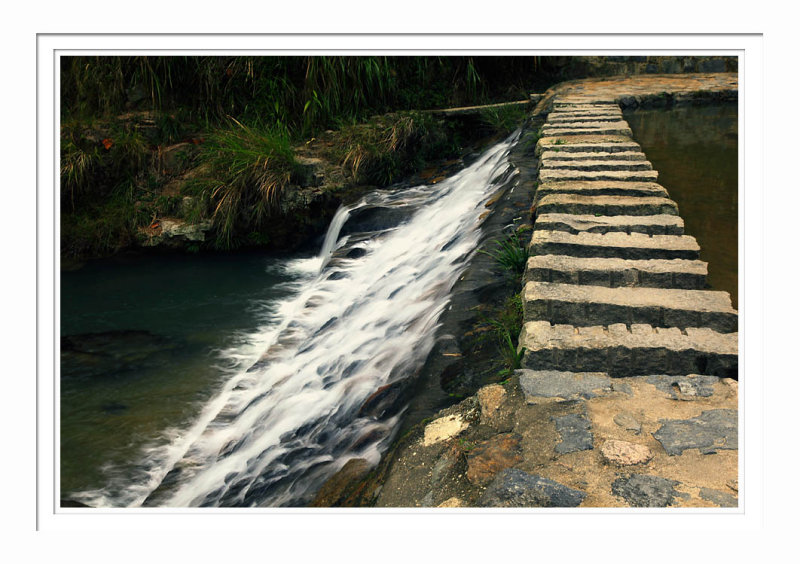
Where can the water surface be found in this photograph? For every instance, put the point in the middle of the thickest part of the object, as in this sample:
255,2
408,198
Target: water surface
695,151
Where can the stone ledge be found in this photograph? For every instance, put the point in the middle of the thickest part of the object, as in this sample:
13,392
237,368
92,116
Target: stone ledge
634,246
580,204
645,224
574,304
548,175
617,272
621,351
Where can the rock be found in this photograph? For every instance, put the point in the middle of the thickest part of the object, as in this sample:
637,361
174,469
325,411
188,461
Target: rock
452,502
514,488
575,433
307,171
173,232
722,499
628,422
625,453
562,385
175,158
335,491
444,466
710,432
640,490
386,401
493,455
443,428
684,387
490,398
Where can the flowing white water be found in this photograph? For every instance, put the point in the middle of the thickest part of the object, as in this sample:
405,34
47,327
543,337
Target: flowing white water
304,400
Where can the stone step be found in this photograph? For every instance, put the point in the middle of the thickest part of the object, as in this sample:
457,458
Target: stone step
548,145
564,132
577,117
611,128
585,103
574,304
584,112
602,188
548,175
616,272
551,156
605,205
623,351
587,124
635,246
647,224
596,165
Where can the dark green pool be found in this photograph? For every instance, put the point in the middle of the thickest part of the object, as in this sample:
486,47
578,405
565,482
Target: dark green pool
695,151
140,342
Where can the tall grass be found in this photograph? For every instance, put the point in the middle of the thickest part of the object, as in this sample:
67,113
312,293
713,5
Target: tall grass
304,94
246,172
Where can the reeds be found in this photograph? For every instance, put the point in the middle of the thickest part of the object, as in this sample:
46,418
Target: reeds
246,172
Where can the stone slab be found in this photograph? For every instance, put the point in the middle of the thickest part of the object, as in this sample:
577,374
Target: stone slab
515,488
602,188
709,432
588,124
549,156
611,129
633,246
575,434
617,272
598,144
581,117
596,165
549,175
577,223
623,351
566,386
684,387
642,490
580,204
574,304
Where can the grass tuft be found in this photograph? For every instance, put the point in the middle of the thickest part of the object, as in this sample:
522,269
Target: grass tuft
511,253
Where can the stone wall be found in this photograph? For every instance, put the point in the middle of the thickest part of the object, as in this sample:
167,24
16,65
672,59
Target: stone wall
597,66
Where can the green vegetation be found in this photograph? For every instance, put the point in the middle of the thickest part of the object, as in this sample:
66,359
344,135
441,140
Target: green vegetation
510,253
503,119
240,118
245,172
506,327
391,146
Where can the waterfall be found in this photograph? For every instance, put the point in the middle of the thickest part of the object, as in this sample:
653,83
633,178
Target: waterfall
362,320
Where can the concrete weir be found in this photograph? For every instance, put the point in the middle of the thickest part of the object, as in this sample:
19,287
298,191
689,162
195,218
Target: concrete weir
613,284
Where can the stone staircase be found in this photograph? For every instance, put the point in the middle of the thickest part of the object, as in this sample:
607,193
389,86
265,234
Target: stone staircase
613,285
